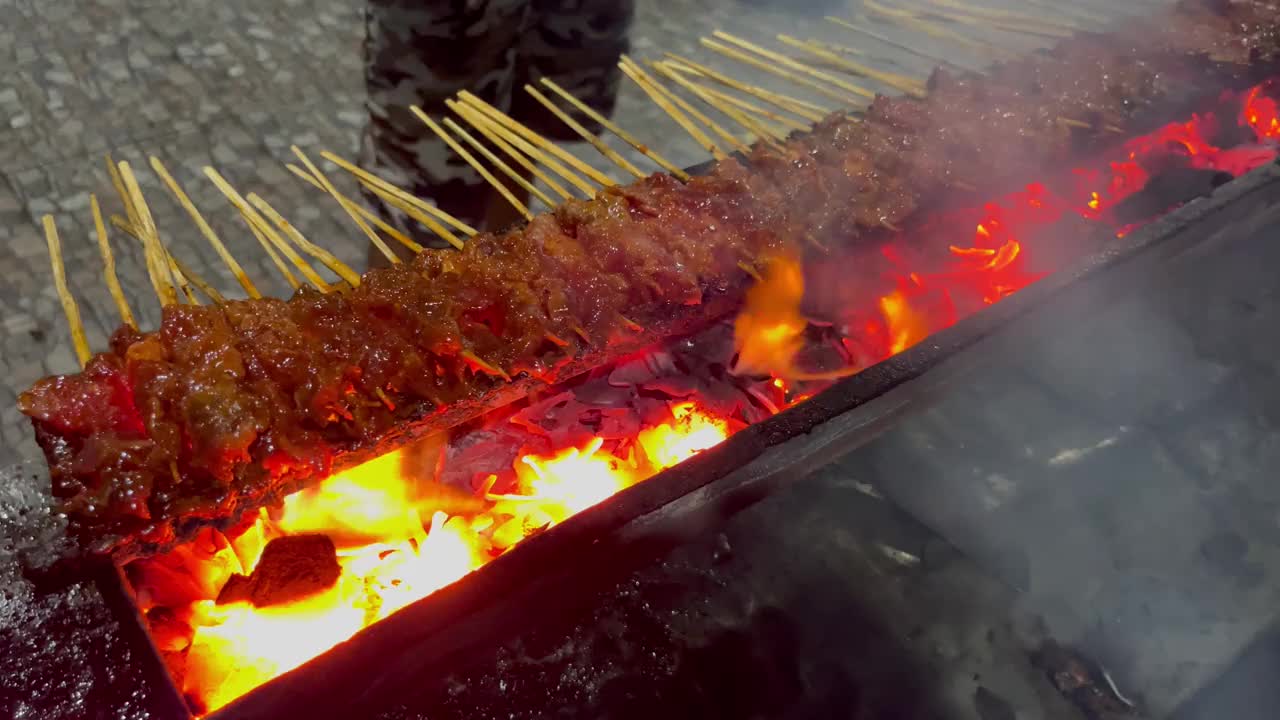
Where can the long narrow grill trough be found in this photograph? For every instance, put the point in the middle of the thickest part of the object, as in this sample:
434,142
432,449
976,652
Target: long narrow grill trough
539,463
322,581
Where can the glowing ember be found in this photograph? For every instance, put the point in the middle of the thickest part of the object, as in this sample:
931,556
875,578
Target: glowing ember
389,560
1262,114
401,534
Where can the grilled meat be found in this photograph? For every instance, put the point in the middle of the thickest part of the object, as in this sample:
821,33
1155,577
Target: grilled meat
225,408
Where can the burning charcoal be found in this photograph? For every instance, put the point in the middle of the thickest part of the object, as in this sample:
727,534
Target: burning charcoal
636,372
236,590
481,453
291,568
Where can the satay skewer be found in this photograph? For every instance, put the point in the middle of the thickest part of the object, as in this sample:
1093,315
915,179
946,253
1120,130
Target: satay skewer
962,18
728,137
109,265
365,213
494,134
908,85
412,206
264,231
910,19
520,149
1071,9
826,90
777,57
471,160
1007,20
373,182
748,106
521,129
324,257
134,225
205,229
594,140
346,207
795,106
883,39
668,102
69,307
498,162
157,259
276,260
762,133
176,266
613,127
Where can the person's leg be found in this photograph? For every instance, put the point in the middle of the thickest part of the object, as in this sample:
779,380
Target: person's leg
576,43
422,52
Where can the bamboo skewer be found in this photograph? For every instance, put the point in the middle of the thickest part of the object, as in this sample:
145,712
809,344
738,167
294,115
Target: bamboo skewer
1005,25
118,183
264,231
280,264
728,137
176,270
908,85
365,213
343,203
157,258
795,106
370,180
134,205
69,307
888,41
613,127
1016,22
513,144
796,65
909,19
176,266
843,98
471,160
109,265
326,258
181,270
412,206
205,229
786,122
761,132
520,129
493,133
641,78
595,141
1081,14
498,162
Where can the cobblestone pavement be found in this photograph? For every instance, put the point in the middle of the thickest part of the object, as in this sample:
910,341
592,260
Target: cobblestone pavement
232,83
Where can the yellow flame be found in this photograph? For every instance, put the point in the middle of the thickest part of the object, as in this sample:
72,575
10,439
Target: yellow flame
694,431
907,326
768,332
389,560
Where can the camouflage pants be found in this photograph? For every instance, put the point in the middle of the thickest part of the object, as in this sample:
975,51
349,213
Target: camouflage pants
422,52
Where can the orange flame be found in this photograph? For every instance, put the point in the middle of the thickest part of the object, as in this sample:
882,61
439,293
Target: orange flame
907,325
389,560
1262,114
769,331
